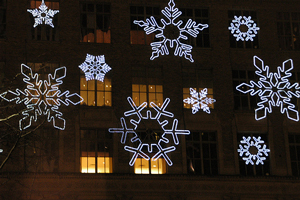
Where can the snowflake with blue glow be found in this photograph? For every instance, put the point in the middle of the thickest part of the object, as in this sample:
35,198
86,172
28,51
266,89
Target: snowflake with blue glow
171,32
251,150
42,97
147,140
94,67
43,14
199,100
243,29
273,89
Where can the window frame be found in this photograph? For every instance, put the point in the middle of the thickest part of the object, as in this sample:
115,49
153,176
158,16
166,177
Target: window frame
3,23
296,144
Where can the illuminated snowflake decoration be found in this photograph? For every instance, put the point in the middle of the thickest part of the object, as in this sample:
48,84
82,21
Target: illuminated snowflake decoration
141,147
43,14
243,28
171,32
42,97
199,100
94,67
273,89
253,150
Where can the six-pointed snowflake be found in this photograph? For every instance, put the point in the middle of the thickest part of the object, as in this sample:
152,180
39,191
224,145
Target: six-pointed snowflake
43,14
273,89
243,29
150,141
171,32
42,97
199,100
251,150
94,67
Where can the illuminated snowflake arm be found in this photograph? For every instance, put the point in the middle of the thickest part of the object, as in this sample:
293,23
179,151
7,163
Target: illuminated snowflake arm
175,132
136,153
124,130
249,25
171,14
273,89
135,111
94,67
199,100
42,97
161,110
43,14
163,153
261,148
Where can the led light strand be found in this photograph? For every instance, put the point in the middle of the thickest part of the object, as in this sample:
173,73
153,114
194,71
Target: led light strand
248,24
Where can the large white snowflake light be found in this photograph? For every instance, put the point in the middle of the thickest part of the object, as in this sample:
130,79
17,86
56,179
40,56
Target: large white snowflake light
94,67
273,89
152,143
43,14
171,32
199,100
251,150
42,97
243,28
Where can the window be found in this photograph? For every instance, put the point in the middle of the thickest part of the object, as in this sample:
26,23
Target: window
294,143
143,166
96,151
2,18
201,150
243,101
199,16
257,170
95,93
95,22
295,78
288,25
137,33
43,31
197,79
242,44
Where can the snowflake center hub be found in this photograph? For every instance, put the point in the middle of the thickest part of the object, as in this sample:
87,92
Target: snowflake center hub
253,150
243,28
172,32
149,131
43,14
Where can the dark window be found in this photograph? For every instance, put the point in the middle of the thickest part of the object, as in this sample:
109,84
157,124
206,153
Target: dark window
242,44
95,22
201,150
294,143
2,18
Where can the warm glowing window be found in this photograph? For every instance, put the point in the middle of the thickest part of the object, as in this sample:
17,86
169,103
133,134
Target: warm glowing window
137,33
143,166
147,93
43,31
95,93
95,22
96,151
2,18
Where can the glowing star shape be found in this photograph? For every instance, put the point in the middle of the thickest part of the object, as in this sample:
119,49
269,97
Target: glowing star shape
171,32
43,14
141,147
243,29
199,100
253,150
273,89
42,97
94,67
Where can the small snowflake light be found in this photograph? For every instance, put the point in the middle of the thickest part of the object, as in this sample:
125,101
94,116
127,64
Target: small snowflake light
243,28
142,147
253,150
171,32
42,97
273,89
94,67
43,14
199,100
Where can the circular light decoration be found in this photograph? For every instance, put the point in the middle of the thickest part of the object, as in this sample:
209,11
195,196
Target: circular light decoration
199,100
94,67
43,14
1,150
148,131
253,149
243,28
273,89
42,97
171,32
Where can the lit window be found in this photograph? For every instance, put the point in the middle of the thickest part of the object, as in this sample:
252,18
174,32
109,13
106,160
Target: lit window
95,93
43,31
147,93
96,151
95,22
137,34
143,166
2,18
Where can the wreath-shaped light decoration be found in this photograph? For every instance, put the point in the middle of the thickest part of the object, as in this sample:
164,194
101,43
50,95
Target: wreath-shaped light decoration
243,28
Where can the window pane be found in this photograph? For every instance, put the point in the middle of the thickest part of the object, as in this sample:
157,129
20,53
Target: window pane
91,98
107,98
88,164
100,98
